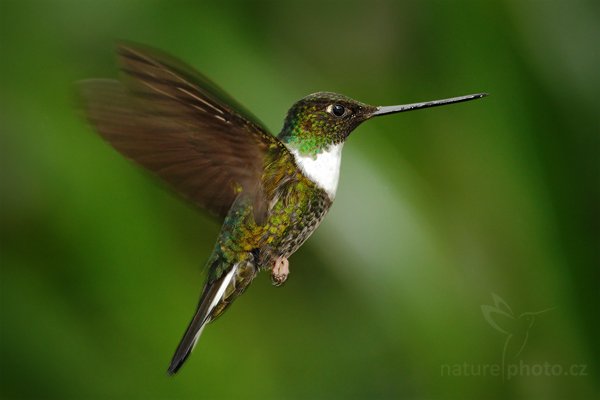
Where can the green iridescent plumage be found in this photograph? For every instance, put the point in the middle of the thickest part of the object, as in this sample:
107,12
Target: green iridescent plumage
311,128
298,209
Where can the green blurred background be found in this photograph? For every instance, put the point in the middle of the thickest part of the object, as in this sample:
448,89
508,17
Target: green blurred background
436,210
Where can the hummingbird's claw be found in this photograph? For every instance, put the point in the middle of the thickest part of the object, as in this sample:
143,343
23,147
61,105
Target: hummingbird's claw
280,271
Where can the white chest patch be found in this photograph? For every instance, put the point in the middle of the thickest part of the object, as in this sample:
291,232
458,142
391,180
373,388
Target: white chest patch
324,169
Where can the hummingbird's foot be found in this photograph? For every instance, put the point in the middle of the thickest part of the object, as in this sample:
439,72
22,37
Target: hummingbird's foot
280,271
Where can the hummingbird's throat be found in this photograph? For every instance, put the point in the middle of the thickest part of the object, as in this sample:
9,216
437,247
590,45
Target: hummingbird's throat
323,168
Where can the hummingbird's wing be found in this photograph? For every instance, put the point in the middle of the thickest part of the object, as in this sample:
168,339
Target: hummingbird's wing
175,122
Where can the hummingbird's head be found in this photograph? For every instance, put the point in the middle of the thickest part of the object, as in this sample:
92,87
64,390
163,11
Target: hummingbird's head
325,119
321,120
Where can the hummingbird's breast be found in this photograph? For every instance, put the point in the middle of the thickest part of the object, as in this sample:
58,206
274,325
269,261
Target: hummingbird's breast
295,215
298,203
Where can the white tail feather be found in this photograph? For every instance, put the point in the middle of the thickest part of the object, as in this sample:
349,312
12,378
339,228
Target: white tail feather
215,301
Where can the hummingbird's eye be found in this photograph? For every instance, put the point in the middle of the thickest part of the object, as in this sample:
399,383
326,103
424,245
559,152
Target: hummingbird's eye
336,109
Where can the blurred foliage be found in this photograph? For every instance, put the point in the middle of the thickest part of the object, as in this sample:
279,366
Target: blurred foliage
437,209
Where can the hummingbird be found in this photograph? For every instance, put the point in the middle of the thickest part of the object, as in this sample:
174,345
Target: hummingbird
270,192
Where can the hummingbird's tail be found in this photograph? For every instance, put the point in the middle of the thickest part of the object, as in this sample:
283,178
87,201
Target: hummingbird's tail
216,297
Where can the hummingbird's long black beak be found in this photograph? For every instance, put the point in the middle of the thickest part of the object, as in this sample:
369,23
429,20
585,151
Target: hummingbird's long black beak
434,103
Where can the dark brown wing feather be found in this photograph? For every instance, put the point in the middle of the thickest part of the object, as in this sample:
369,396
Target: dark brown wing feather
176,123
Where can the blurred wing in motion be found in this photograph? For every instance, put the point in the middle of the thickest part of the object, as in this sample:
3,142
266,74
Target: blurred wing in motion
179,125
